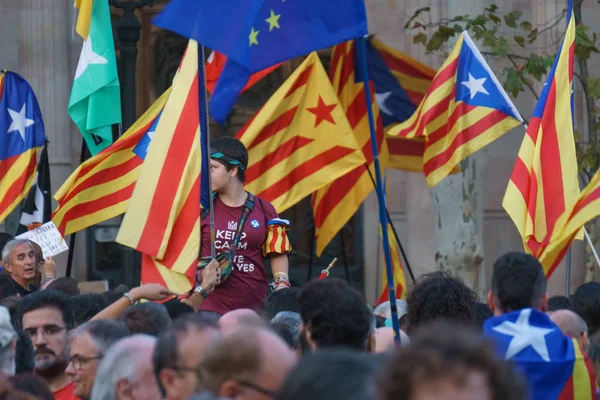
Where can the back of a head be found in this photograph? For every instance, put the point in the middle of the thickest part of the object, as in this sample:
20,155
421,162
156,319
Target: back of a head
335,314
147,318
32,384
569,323
290,322
482,312
122,360
86,306
556,303
331,374
176,309
440,296
586,303
282,300
104,333
518,282
433,357
66,284
46,299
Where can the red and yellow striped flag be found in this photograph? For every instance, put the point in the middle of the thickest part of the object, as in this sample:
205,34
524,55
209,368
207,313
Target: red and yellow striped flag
583,211
334,204
464,110
544,181
300,140
101,187
163,217
399,278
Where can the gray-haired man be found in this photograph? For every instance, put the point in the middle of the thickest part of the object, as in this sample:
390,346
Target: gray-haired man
89,344
18,258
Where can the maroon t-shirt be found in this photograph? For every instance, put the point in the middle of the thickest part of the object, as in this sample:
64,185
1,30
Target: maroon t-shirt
246,287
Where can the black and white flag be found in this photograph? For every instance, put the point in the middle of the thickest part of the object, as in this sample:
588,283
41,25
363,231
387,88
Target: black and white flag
38,205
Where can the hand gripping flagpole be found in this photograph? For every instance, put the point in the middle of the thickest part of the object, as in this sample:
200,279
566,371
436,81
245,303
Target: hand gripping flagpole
204,143
362,44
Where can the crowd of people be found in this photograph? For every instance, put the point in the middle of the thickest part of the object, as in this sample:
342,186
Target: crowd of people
231,337
321,341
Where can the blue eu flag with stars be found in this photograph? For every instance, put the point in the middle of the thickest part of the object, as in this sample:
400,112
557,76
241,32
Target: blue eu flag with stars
256,34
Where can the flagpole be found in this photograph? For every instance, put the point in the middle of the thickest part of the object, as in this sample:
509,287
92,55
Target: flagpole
362,43
591,244
205,127
82,157
387,213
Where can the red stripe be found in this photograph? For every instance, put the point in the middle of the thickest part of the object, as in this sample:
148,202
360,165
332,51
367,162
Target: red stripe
347,70
405,147
336,55
401,66
357,109
102,176
305,170
594,195
300,81
552,173
415,97
90,207
425,118
567,392
6,165
273,243
150,272
273,127
183,226
171,174
275,157
521,179
463,137
18,186
442,132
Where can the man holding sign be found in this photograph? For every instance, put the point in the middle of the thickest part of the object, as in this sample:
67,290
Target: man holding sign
18,257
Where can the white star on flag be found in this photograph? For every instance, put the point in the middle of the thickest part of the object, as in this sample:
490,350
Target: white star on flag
524,335
475,85
380,99
88,57
19,121
150,135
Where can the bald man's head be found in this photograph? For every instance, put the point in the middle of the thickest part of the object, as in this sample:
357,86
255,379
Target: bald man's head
570,323
384,340
237,318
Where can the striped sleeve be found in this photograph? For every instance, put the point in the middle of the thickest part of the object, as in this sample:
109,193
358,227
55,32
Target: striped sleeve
277,240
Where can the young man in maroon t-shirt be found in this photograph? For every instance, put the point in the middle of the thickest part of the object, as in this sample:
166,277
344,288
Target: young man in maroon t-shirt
263,235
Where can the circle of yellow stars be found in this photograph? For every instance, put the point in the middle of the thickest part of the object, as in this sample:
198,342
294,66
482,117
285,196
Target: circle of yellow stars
273,22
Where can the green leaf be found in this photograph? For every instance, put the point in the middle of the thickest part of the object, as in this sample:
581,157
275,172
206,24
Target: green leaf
512,18
493,8
416,14
520,40
479,20
593,87
526,25
584,45
420,38
513,83
495,18
501,47
532,35
458,28
536,67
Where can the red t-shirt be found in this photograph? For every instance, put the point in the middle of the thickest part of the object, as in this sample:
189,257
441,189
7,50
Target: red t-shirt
66,393
246,287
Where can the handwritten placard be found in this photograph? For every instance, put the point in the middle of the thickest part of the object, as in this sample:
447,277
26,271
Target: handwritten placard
48,237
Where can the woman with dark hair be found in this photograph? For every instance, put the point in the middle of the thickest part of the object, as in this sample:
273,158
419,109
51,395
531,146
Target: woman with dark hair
247,229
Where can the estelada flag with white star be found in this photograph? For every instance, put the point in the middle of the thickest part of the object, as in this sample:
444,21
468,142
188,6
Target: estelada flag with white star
21,136
300,140
553,364
544,183
256,34
95,103
465,109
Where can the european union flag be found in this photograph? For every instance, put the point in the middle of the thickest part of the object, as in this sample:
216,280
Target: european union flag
256,34
21,124
552,363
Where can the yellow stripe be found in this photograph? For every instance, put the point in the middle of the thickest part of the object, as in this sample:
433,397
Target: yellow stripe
342,213
411,83
175,281
516,208
87,220
467,148
84,18
13,174
133,224
581,377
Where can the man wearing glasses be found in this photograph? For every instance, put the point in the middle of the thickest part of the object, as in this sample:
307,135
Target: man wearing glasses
46,318
89,342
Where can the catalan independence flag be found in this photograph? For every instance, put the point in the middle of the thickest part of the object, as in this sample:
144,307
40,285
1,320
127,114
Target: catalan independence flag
398,271
300,140
101,187
544,181
334,204
464,110
553,364
163,217
21,136
584,210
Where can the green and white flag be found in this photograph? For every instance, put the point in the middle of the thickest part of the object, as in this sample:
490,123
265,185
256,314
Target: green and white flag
95,102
